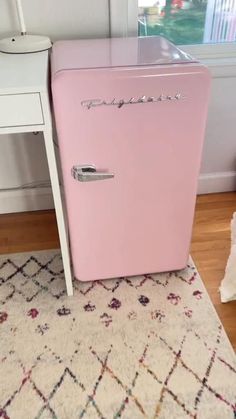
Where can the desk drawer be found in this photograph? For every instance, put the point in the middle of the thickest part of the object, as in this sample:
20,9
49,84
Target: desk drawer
21,109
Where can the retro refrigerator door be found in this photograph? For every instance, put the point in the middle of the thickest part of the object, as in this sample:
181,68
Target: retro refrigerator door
130,169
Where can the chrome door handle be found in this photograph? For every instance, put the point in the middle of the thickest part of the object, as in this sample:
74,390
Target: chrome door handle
88,173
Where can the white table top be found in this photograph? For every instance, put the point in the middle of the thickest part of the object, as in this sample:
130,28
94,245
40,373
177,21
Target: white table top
23,73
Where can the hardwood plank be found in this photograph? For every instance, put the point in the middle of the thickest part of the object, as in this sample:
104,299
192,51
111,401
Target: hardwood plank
36,230
210,245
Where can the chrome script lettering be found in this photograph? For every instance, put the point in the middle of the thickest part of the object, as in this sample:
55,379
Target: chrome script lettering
119,103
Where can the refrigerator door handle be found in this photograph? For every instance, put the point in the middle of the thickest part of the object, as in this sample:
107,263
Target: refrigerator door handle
88,173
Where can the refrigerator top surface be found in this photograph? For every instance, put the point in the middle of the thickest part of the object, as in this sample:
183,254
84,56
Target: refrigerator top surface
116,52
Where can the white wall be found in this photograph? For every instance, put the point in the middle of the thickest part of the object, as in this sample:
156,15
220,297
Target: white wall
22,156
219,154
60,19
218,169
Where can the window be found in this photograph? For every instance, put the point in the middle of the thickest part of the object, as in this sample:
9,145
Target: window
188,21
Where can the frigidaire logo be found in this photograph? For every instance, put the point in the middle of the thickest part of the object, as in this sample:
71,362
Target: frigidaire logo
93,103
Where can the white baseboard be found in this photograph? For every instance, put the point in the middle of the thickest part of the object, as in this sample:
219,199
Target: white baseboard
217,182
26,200
41,198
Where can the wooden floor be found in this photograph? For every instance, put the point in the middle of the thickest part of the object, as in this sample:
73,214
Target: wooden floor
210,243
210,250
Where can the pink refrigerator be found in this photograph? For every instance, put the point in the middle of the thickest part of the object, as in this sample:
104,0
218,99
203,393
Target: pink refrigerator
130,117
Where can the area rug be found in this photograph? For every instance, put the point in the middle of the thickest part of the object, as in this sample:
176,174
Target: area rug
144,347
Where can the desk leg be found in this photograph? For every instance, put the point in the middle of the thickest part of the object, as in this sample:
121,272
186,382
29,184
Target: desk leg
59,208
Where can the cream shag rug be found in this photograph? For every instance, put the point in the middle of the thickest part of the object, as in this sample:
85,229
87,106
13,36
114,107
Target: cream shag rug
146,347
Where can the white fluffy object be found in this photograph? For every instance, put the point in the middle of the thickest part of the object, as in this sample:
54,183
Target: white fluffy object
228,284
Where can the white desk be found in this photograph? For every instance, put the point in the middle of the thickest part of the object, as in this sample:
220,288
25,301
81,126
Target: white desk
25,107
